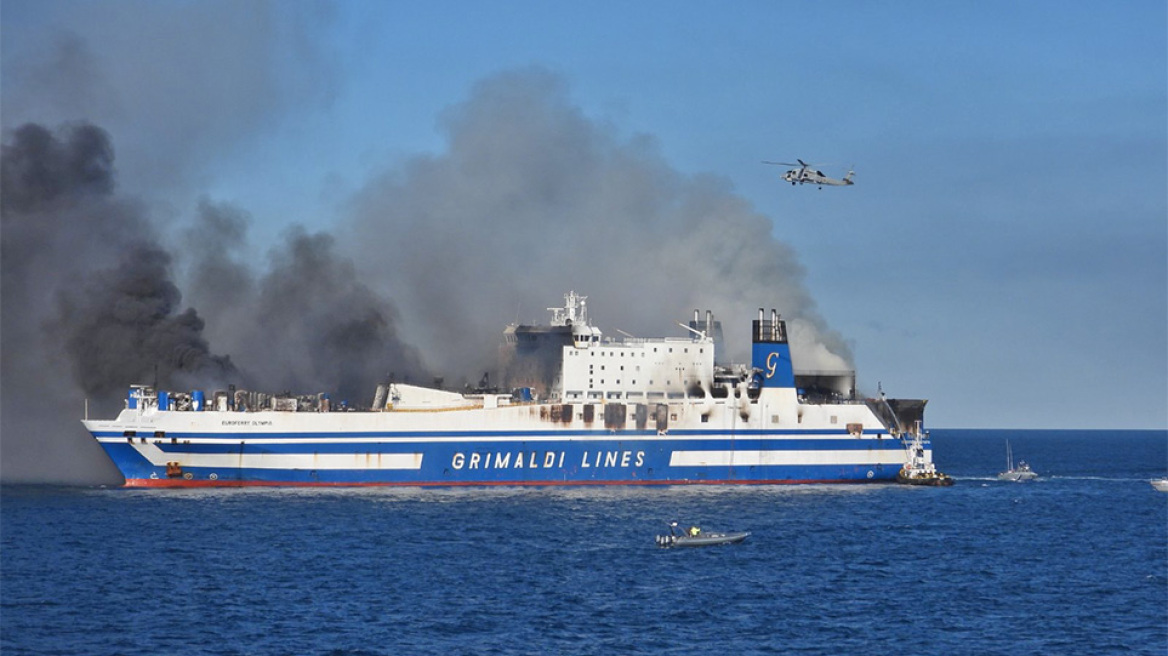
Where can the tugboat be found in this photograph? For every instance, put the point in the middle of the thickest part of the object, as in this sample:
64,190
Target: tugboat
920,470
1018,474
695,537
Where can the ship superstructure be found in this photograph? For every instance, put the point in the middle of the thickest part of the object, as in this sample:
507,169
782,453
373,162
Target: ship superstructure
579,408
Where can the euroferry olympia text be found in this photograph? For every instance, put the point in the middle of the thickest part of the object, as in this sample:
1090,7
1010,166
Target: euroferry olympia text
580,409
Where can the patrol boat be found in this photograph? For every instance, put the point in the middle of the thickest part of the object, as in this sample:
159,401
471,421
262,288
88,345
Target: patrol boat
1019,474
696,537
583,409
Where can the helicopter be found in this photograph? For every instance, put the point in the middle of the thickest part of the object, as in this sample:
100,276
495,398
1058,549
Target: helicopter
807,175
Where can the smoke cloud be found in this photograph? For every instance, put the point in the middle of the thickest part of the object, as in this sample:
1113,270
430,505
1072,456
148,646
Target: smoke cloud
91,306
179,85
120,323
532,198
83,282
307,323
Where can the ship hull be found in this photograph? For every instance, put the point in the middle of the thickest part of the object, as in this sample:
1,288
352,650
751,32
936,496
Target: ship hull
193,459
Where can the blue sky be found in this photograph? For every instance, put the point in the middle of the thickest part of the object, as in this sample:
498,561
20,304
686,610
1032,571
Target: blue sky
1003,252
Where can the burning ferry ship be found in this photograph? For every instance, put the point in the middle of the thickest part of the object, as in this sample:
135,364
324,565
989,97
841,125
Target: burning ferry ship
583,409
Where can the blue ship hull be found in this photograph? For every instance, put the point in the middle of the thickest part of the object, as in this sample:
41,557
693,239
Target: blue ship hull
484,458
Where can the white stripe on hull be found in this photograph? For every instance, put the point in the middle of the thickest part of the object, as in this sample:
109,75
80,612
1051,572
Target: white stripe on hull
358,461
765,458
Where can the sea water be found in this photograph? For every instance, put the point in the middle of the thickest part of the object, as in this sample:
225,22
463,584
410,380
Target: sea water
1073,563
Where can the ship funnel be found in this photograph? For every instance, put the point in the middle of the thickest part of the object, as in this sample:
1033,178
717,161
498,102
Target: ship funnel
771,354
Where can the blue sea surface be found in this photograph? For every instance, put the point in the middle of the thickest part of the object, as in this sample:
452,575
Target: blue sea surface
1074,563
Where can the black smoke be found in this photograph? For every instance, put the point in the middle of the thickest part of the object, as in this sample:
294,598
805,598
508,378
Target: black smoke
40,168
92,304
125,324
60,224
306,322
85,274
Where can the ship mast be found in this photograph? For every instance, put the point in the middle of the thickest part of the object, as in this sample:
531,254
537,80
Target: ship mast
575,310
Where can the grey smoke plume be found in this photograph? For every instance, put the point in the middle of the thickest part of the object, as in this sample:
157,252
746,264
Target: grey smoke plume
180,86
67,239
120,323
307,323
90,306
532,198
177,84
73,299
